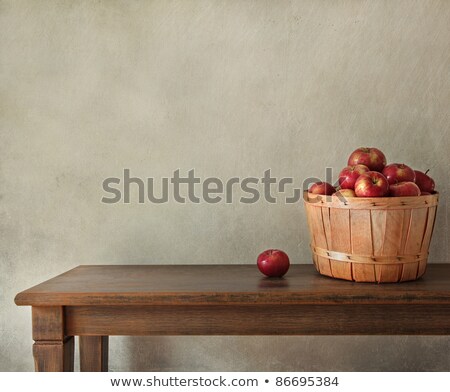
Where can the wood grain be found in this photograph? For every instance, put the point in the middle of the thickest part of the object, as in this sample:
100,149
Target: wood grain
94,353
47,322
54,356
53,351
259,320
225,284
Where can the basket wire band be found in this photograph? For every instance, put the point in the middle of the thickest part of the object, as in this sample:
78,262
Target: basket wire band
376,260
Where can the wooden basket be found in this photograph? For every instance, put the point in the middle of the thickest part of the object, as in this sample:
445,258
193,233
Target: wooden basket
383,239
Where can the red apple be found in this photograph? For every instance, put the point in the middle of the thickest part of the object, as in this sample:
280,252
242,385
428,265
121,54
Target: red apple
349,175
373,158
343,193
322,188
398,172
424,182
371,184
407,188
273,262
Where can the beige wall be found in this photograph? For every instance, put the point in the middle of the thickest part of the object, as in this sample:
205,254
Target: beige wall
230,88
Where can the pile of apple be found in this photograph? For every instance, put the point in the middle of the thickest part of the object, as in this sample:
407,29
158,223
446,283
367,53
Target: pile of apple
367,175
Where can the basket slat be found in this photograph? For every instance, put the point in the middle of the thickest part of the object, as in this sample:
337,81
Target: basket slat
325,266
308,208
422,268
326,224
378,229
427,238
414,241
318,234
340,241
429,229
316,264
409,272
378,232
416,231
318,230
406,226
391,243
393,234
361,241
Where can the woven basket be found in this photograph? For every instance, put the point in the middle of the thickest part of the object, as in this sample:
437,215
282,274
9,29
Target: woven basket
371,239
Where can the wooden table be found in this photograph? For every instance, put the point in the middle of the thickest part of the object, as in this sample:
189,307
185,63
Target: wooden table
94,302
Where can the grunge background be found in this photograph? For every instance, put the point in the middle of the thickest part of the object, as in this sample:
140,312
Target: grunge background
230,88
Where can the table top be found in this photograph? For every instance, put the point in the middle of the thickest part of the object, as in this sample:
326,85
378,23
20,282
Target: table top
226,285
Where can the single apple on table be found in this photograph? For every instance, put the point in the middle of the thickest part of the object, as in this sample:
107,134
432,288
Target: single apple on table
371,184
371,157
273,262
407,188
322,188
424,181
398,172
349,175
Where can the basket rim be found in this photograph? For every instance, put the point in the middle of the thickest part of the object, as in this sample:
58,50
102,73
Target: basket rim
402,202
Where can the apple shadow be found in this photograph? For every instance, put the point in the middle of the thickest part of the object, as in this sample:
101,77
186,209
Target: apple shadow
273,282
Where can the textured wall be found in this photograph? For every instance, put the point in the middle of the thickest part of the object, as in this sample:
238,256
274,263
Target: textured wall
229,88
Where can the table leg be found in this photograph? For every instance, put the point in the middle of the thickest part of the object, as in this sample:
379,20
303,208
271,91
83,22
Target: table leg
54,356
94,353
52,351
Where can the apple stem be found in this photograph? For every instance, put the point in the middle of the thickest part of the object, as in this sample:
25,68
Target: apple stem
427,171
